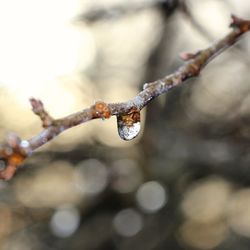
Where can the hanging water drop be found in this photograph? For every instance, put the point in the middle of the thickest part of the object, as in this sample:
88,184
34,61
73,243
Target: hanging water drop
129,125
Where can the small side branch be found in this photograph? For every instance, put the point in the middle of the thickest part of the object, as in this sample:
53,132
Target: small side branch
15,151
38,109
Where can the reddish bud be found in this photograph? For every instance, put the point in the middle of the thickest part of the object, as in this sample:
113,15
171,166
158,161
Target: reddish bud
101,110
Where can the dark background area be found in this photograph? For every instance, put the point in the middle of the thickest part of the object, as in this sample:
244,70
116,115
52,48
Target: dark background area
182,184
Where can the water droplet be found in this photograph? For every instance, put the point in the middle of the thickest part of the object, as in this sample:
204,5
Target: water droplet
128,222
128,133
129,125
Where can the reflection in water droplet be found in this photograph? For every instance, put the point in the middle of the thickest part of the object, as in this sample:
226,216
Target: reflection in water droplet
129,125
128,133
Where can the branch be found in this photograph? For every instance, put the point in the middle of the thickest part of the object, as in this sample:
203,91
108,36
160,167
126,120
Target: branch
15,151
118,11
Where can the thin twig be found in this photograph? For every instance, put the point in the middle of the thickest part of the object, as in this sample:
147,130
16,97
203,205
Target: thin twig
14,152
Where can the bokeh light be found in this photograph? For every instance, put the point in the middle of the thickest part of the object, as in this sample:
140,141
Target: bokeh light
206,200
238,211
151,196
128,222
65,221
91,177
51,186
203,236
23,240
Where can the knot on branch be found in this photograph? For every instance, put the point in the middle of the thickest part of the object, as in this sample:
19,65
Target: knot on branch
12,154
100,110
38,109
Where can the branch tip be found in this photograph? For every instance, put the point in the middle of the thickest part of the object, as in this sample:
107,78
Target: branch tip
38,109
240,23
36,104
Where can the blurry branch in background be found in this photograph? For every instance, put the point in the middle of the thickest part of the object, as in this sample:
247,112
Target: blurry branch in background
14,152
118,11
184,8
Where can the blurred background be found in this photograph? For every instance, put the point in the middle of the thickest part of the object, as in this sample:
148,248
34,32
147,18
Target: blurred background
184,183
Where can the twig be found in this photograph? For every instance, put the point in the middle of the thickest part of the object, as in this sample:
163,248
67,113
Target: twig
14,152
